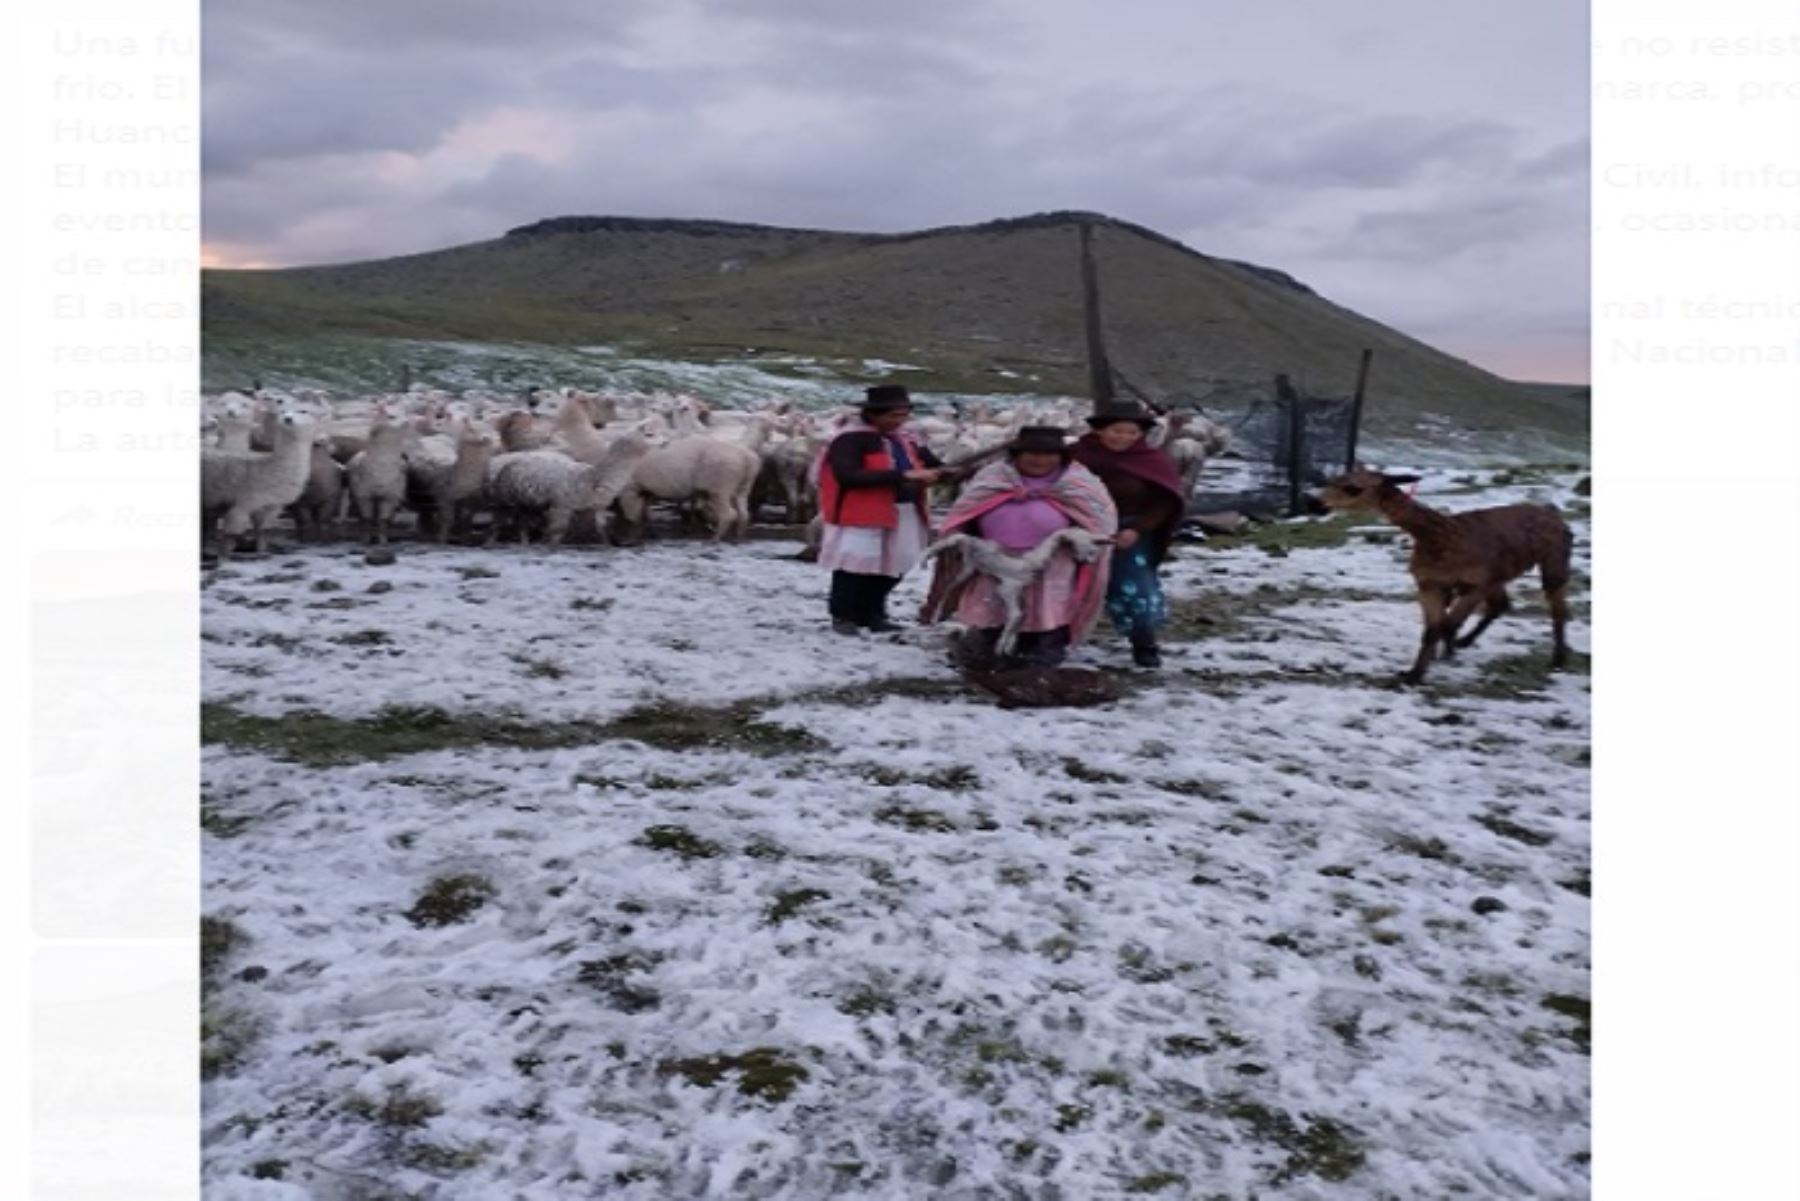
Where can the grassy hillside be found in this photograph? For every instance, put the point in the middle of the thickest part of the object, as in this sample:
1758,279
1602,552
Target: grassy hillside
992,307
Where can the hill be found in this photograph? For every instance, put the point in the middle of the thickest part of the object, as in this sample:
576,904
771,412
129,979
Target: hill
979,308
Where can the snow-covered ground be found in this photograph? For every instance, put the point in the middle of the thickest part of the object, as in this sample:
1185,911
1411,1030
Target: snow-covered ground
773,913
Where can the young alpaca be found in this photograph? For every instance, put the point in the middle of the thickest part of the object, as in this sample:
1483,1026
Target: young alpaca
1012,574
1464,560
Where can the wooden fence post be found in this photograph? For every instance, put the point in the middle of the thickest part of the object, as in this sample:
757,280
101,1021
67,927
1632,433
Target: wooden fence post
1099,370
1296,441
1356,407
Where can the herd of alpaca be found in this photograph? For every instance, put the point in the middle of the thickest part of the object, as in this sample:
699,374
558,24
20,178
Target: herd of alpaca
563,461
539,469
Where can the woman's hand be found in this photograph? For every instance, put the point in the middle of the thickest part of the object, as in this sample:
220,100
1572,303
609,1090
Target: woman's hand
922,475
1125,539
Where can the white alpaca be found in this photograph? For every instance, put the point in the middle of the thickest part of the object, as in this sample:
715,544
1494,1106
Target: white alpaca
233,417
317,510
451,492
716,474
249,487
1012,574
377,473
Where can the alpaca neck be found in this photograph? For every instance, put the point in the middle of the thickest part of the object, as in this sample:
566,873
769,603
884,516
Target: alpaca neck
1425,524
471,462
388,439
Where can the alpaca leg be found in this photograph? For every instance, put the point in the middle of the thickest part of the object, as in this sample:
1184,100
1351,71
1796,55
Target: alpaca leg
631,510
1432,606
556,524
442,518
1558,600
719,514
1495,604
223,538
1464,604
1011,596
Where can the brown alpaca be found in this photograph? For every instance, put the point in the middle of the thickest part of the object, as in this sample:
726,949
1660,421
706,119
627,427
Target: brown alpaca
1464,560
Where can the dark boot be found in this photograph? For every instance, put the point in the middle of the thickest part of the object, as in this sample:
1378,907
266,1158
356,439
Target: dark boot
875,617
1043,648
843,597
973,650
1144,651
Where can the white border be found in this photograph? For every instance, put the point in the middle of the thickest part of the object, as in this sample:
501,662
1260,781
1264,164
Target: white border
1698,981
1696,648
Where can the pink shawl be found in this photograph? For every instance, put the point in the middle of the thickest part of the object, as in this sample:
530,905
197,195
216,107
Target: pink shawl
1081,497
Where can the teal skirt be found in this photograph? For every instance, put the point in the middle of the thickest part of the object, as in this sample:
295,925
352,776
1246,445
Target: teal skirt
1134,596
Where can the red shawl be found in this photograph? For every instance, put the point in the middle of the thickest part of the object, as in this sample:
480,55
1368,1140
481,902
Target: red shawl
1148,463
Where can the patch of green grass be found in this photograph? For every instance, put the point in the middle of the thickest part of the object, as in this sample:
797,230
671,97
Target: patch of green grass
440,1157
219,938
791,902
679,840
599,605
223,825
921,688
865,1002
612,977
1509,677
226,1035
321,740
766,1073
1299,533
925,821
1505,827
1424,848
1580,1009
399,1108
668,725
1075,769
1156,1182
1581,882
1187,1046
449,900
1000,1051
1212,790
1070,1117
1315,1146
269,1169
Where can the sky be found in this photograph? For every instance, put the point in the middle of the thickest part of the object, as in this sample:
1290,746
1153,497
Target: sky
1424,162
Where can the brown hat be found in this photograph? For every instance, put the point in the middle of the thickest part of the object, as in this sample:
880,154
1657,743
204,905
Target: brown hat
1107,412
885,398
1039,439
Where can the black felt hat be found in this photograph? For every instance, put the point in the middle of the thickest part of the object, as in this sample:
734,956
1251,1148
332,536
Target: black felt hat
1107,412
1040,439
885,398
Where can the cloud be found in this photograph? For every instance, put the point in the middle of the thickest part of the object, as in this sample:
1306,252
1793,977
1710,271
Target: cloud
337,131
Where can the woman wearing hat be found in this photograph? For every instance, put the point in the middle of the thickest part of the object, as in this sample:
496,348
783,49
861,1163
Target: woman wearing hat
1145,484
872,481
1018,502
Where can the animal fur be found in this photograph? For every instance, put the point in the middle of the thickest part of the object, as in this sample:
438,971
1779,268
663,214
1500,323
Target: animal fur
1012,574
1463,561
